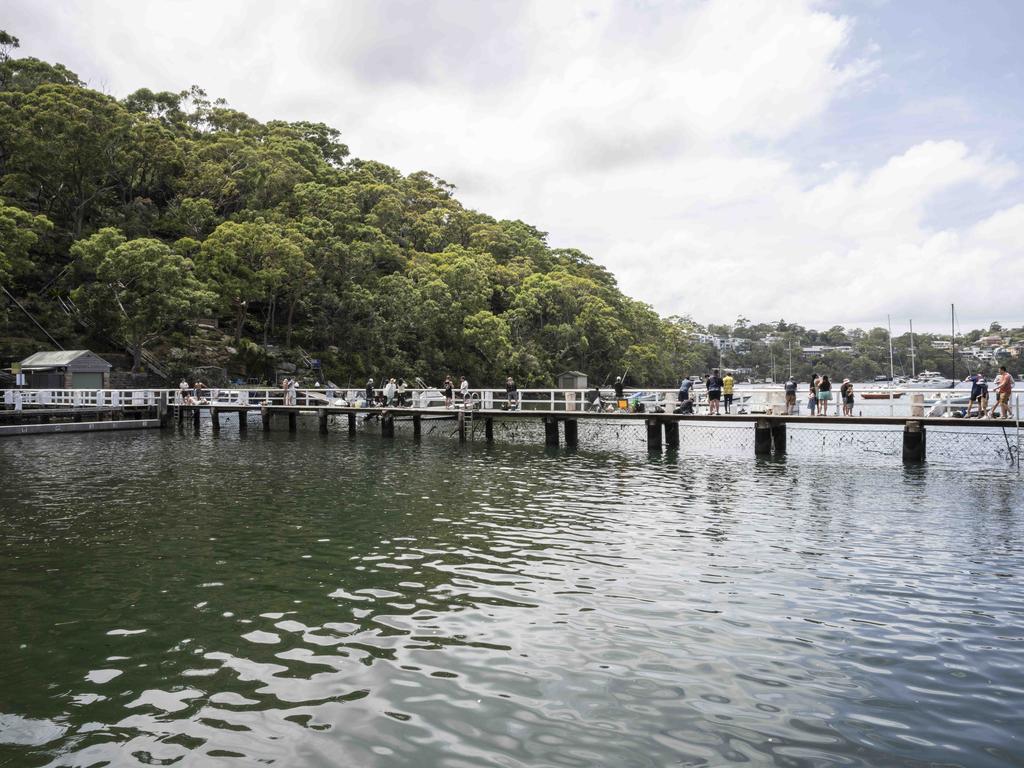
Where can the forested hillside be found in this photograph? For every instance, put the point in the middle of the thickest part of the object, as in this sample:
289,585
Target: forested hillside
127,221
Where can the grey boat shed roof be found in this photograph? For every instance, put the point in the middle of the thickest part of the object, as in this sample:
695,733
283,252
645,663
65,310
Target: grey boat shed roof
77,360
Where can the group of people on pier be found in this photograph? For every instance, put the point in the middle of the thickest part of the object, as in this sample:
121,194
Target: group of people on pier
977,406
720,390
719,395
819,395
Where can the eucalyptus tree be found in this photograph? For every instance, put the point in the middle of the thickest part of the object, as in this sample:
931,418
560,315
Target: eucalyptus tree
145,287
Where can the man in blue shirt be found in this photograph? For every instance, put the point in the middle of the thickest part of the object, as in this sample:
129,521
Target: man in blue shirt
684,389
977,386
790,396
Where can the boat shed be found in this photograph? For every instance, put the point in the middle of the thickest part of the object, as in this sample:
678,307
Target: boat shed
67,369
572,380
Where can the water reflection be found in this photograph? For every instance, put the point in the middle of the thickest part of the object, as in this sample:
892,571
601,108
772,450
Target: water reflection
307,601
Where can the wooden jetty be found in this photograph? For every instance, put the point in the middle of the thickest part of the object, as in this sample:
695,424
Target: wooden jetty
559,411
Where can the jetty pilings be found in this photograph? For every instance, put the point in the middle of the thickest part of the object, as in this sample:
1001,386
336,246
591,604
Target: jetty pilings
572,434
653,434
671,434
762,437
914,441
779,437
551,431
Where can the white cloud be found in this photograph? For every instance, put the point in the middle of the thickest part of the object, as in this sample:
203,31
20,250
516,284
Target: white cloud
649,134
850,250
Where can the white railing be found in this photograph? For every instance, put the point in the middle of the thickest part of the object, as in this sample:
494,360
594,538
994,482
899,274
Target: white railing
747,399
78,398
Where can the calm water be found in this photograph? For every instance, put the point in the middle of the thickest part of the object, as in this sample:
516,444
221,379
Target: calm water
173,599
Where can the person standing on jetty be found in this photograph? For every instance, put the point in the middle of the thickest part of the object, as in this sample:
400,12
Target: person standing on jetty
982,397
464,390
401,390
846,393
790,396
714,387
812,400
389,392
511,394
684,389
727,384
1003,386
369,395
446,389
824,395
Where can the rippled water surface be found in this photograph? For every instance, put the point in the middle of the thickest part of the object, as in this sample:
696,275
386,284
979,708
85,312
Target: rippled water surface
295,600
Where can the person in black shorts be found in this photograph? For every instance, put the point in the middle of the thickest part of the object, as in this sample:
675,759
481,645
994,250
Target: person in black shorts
790,396
714,386
511,394
446,388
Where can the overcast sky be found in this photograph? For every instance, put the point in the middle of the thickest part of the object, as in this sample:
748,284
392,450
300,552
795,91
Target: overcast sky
823,162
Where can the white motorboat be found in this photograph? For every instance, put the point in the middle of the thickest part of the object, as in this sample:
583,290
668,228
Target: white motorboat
930,380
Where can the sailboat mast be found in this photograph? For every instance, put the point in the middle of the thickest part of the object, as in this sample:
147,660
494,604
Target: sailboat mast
888,320
913,366
952,335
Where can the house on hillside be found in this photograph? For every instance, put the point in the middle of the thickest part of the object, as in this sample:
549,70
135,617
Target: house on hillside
68,369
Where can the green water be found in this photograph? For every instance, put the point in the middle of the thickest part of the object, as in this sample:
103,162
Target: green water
298,600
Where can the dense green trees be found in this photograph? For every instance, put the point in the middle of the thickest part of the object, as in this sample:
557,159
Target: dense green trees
138,288
19,233
145,213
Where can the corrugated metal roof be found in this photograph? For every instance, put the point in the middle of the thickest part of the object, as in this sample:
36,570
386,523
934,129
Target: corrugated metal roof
43,360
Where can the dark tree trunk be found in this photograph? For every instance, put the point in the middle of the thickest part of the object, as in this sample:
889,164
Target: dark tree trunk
291,314
239,322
